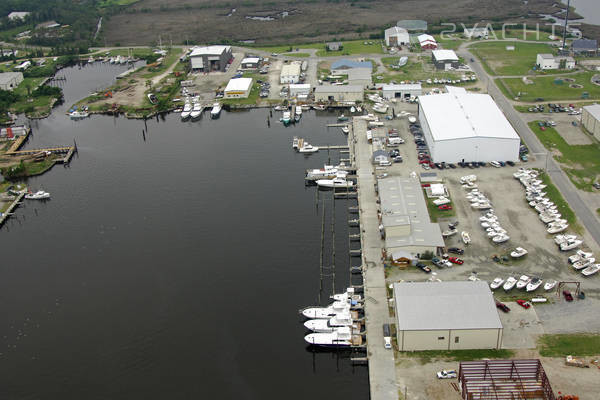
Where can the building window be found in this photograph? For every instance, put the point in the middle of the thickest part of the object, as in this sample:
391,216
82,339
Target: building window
440,337
456,339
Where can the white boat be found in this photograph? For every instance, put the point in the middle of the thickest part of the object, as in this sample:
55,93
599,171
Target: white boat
510,283
380,108
518,252
559,239
286,118
327,172
187,110
337,182
329,325
549,285
345,130
412,119
466,238
570,244
338,307
449,232
584,263
196,111
523,282
496,283
579,255
533,284
501,238
216,110
341,337
39,195
591,270
352,109
557,228
319,107
308,148
78,114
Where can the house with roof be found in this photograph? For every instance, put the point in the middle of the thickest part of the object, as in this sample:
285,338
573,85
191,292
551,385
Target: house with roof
10,80
427,42
444,59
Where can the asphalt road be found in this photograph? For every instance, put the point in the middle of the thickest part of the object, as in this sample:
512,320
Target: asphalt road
560,179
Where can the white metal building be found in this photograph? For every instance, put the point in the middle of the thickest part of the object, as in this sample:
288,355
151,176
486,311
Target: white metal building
466,127
550,61
403,91
444,59
299,90
211,58
290,73
346,93
446,316
590,119
250,63
396,36
10,80
238,88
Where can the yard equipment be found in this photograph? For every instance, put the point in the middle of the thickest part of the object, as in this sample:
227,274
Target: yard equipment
576,362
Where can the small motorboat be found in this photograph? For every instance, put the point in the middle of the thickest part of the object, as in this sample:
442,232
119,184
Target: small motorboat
560,239
533,284
557,228
380,108
591,270
337,182
345,130
496,283
550,284
523,282
39,195
449,232
518,252
510,283
308,148
501,238
466,238
319,107
352,109
342,118
441,200
75,115
570,244
580,255
583,263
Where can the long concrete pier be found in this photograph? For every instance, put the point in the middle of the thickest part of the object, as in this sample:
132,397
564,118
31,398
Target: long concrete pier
382,371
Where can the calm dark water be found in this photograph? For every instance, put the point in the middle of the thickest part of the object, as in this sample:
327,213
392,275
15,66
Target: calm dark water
171,267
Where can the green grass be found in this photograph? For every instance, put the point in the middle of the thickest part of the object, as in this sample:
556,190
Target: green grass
427,356
580,162
417,68
135,52
38,168
450,44
32,83
172,57
544,87
571,344
499,61
435,213
108,3
351,47
294,54
529,35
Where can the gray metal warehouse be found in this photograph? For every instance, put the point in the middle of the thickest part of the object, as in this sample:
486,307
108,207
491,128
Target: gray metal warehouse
590,118
403,91
349,93
446,316
211,58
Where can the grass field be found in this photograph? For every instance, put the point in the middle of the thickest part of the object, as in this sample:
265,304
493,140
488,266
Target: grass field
458,355
108,3
544,87
450,43
351,47
556,197
417,68
435,213
582,162
499,61
573,344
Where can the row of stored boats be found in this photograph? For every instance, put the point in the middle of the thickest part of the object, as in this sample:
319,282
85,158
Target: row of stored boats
530,284
193,109
330,176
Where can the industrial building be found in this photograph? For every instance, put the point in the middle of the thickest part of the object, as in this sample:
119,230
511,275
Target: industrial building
290,73
300,90
427,42
211,58
405,219
10,80
403,91
339,93
396,36
444,59
360,76
590,119
550,61
250,63
466,127
446,315
585,47
238,88
341,67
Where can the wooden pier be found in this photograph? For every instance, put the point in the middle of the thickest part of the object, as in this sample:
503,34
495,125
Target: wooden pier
10,208
339,124
338,147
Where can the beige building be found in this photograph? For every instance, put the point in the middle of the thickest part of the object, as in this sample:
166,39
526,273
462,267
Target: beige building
339,93
238,88
10,80
290,73
590,118
446,316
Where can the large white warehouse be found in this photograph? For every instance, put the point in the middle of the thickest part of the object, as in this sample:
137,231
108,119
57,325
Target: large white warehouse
466,127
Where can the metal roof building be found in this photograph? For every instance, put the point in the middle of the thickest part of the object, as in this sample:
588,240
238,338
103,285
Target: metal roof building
211,58
585,46
340,93
10,80
405,218
403,91
446,316
396,36
290,73
590,118
466,127
238,88
412,24
359,76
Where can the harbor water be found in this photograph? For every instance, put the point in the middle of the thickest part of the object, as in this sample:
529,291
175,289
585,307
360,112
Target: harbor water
171,260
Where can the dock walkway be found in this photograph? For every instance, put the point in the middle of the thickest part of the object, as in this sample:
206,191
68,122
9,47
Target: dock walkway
382,369
10,208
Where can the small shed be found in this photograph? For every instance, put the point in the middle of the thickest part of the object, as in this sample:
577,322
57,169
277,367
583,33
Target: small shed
444,59
250,63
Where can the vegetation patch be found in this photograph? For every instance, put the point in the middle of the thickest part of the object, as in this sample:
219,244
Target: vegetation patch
556,197
500,61
569,344
427,356
552,88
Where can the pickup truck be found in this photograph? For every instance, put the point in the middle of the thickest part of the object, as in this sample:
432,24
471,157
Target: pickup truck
387,336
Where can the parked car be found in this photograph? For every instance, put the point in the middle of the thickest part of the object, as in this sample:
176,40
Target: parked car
523,303
452,165
495,164
423,267
512,164
445,207
455,260
568,296
502,306
456,250
446,374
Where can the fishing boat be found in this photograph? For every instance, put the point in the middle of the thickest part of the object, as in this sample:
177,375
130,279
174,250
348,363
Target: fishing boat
550,284
187,110
583,263
338,307
287,118
308,148
510,283
518,252
337,182
216,110
570,244
196,111
39,195
341,337
342,118
496,283
533,284
327,172
329,325
298,114
466,238
591,270
523,282
319,107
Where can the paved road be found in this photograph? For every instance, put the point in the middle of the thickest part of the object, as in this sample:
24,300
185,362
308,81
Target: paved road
560,179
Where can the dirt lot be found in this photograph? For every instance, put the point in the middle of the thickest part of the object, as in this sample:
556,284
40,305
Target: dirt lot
205,21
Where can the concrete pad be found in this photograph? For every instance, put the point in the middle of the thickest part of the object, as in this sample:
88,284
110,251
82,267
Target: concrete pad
521,327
